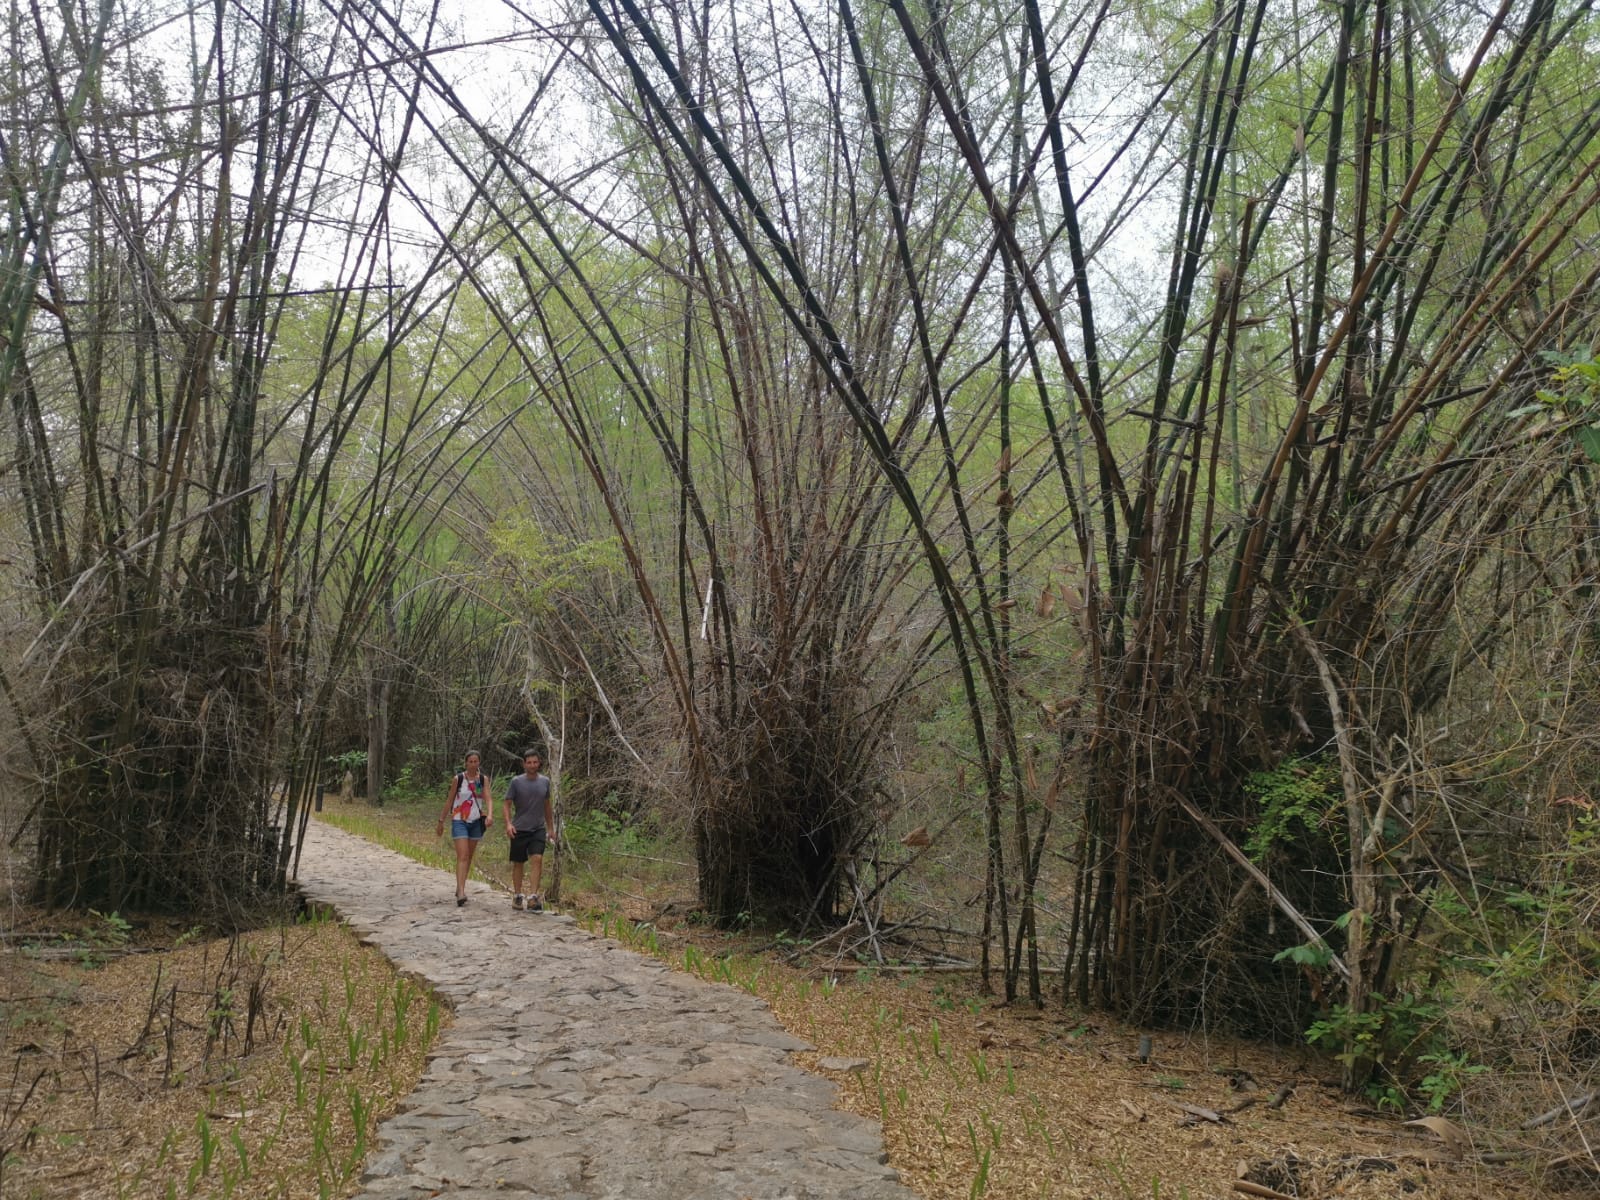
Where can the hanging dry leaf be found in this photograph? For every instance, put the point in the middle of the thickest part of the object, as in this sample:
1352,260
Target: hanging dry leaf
1047,603
917,837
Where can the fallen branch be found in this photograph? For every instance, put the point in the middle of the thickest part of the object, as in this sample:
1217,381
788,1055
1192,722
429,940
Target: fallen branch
1582,1160
1278,898
1258,1189
1574,1106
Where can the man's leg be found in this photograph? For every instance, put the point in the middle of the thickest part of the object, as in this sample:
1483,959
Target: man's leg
518,855
536,861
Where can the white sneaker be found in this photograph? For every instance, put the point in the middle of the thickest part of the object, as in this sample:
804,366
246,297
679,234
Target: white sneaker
519,902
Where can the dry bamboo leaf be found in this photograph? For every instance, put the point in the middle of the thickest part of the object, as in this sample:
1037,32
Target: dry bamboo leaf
917,837
1047,603
1447,1131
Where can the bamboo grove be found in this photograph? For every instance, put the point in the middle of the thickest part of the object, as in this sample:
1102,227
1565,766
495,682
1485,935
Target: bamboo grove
1144,427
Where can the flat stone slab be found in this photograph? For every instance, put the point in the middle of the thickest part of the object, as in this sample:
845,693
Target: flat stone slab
576,1069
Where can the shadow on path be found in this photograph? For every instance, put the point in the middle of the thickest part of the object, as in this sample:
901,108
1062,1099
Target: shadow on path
578,1070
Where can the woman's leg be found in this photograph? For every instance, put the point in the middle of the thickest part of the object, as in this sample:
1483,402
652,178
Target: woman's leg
464,848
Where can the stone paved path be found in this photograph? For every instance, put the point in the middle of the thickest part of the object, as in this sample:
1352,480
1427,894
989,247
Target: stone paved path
578,1070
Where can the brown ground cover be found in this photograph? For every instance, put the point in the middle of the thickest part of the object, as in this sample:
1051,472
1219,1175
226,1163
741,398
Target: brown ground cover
149,1060
978,1099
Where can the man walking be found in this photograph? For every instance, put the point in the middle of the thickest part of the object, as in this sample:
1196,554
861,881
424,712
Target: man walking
530,823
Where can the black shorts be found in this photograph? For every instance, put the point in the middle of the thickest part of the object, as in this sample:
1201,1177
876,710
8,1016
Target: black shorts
527,845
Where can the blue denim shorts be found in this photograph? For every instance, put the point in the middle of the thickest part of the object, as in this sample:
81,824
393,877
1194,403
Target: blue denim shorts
467,829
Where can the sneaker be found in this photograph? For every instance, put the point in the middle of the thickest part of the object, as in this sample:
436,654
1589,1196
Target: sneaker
535,904
519,901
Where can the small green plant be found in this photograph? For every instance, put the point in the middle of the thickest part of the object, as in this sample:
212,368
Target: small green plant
208,1143
980,1066
109,930
404,993
298,1070
237,1142
980,1181
1392,1036
360,1119
435,1015
1448,1075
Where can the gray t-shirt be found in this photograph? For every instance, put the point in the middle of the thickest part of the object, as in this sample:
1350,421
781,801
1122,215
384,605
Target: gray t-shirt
527,796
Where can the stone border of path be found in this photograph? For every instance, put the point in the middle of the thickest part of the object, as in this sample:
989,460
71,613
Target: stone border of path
576,1069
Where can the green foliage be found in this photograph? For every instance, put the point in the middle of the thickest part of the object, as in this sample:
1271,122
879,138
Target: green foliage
600,832
352,761
1448,1074
1304,792
547,565
1315,955
407,783
1574,395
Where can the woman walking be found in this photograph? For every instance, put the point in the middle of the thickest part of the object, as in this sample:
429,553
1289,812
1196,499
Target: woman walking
470,809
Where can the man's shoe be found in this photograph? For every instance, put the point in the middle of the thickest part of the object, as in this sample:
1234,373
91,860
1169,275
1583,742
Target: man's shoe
535,904
519,901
